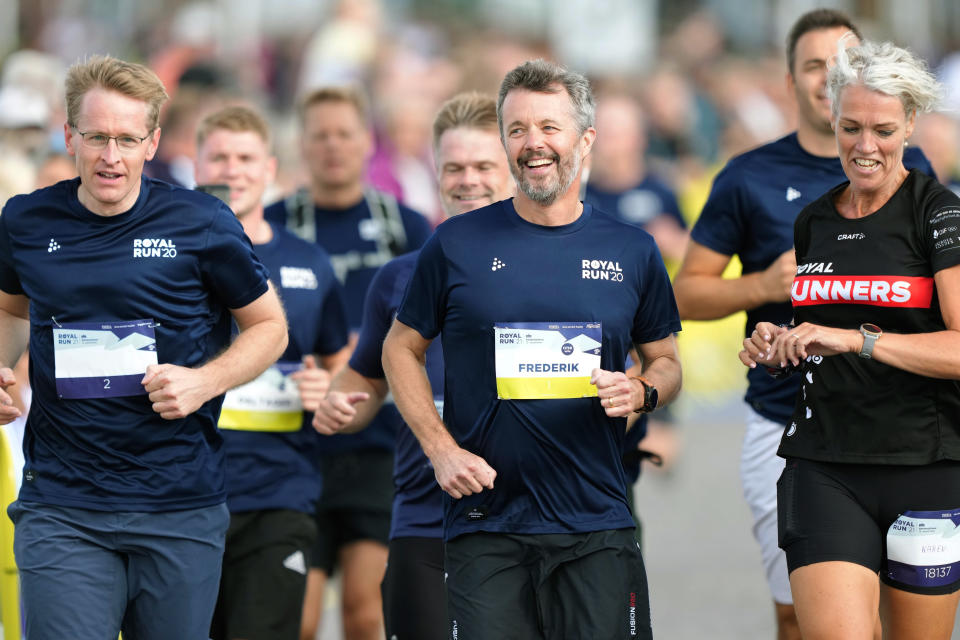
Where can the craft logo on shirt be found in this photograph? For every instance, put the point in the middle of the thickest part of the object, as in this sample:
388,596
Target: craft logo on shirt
792,194
601,270
55,246
154,248
880,291
851,236
297,278
497,264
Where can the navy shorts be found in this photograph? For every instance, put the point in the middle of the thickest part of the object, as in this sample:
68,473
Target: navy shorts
92,574
895,520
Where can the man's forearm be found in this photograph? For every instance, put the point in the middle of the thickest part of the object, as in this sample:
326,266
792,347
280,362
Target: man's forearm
408,380
707,297
14,337
665,374
254,349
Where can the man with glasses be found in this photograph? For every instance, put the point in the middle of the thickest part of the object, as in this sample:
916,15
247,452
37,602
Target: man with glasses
132,286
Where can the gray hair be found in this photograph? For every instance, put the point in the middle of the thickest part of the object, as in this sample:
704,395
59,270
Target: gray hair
885,68
543,76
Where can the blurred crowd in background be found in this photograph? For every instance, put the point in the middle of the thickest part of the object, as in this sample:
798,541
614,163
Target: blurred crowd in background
682,85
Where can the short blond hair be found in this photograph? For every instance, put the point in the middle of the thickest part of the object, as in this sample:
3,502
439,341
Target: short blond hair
472,110
347,95
127,78
236,118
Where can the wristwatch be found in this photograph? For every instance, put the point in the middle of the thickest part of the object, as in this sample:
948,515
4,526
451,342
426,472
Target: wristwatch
871,333
650,395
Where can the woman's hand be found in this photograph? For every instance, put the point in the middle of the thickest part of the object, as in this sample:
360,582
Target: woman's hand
757,349
795,345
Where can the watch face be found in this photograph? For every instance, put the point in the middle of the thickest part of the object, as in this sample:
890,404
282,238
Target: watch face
871,328
652,398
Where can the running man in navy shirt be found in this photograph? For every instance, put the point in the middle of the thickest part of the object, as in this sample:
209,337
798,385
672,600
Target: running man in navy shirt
539,299
273,480
750,213
132,286
471,172
361,229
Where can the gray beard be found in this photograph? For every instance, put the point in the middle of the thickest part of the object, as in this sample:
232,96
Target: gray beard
547,195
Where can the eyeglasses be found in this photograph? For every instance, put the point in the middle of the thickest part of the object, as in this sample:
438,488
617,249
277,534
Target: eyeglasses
125,143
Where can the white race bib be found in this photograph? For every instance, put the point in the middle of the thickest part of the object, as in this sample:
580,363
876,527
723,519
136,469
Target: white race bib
103,359
270,402
546,360
923,548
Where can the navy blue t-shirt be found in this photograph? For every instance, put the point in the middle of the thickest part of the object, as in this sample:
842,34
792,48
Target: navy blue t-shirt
355,244
417,498
280,469
750,213
179,258
639,205
558,461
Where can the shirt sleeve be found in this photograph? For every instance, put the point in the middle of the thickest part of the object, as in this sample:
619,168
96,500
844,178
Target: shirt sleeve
416,227
914,158
942,230
230,268
671,207
424,302
334,330
377,317
657,316
721,225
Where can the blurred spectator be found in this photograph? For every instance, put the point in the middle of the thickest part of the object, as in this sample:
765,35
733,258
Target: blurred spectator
17,174
24,116
54,168
173,162
938,135
343,49
682,121
620,183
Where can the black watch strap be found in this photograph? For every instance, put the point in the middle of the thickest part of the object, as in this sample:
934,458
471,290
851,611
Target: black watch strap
650,395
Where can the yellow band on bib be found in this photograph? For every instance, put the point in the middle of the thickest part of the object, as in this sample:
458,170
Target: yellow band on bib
545,388
271,421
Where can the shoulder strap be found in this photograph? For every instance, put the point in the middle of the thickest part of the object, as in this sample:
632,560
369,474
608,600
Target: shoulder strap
301,216
385,208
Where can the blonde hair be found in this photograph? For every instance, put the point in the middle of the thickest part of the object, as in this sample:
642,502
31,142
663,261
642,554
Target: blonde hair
885,68
238,119
472,110
127,78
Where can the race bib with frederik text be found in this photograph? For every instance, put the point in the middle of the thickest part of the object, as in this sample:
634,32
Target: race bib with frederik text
546,360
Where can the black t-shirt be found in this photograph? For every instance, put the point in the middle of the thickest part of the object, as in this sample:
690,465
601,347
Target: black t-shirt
876,269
